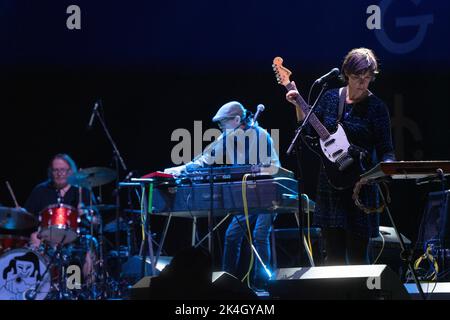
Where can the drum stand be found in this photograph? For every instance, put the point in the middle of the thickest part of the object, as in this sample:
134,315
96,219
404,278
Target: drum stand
99,270
102,272
98,276
96,253
61,292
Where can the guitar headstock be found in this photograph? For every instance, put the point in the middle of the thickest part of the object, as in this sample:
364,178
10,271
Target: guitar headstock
282,74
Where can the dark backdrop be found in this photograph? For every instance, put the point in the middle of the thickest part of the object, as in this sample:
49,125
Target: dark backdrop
159,67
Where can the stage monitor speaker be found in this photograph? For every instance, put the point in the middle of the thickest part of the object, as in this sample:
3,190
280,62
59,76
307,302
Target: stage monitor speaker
386,247
224,286
359,282
227,286
132,268
141,291
387,238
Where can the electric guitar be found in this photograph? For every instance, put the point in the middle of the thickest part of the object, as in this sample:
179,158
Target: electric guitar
343,162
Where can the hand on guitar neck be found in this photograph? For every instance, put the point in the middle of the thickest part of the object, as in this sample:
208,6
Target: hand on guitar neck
292,96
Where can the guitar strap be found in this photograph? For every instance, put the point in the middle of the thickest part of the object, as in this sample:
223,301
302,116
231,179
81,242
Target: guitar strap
354,150
342,96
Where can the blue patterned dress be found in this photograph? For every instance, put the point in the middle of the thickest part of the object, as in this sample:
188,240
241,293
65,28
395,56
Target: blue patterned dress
367,125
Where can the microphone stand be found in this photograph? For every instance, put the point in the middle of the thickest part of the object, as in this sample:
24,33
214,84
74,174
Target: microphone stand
305,121
118,162
298,148
31,294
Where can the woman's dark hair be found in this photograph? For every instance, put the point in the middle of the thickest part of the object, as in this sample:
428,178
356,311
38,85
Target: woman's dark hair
358,61
66,158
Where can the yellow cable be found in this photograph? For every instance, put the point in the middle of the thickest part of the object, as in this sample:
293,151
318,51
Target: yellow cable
244,200
308,223
307,246
428,256
143,215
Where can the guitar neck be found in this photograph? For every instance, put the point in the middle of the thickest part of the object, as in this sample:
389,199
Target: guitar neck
313,120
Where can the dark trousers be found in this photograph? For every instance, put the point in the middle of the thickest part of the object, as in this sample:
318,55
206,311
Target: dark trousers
344,247
261,240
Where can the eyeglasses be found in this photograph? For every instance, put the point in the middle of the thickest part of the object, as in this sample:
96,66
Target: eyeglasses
61,171
360,78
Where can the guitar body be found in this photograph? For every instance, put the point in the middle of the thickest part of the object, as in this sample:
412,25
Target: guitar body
340,159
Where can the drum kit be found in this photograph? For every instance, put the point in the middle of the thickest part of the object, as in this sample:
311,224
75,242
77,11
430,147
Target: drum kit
28,272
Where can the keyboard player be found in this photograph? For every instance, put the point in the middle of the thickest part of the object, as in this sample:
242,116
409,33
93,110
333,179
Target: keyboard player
242,141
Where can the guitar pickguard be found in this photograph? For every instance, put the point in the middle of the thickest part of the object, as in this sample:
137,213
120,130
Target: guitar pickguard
335,148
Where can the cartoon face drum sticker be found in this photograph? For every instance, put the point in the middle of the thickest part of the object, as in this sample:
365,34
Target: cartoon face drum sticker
22,276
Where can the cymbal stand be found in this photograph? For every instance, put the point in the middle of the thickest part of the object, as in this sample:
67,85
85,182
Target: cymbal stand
99,270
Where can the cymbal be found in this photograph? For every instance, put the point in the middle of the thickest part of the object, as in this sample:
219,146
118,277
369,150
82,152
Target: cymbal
16,219
92,177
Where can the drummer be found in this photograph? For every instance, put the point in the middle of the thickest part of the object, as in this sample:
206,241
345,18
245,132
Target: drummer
56,189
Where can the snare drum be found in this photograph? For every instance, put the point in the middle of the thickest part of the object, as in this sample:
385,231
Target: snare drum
20,271
59,224
10,241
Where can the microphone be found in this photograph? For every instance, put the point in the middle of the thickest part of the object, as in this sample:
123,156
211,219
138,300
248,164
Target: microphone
91,121
129,175
260,108
330,75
